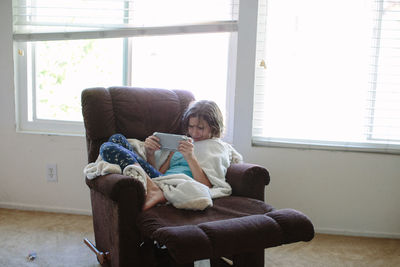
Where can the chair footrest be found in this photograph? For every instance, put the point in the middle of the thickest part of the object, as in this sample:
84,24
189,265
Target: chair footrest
214,239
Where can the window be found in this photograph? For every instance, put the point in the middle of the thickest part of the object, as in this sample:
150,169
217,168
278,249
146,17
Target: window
62,47
328,75
154,56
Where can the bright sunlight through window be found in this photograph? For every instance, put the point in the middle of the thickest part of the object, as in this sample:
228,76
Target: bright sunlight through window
198,63
63,68
328,73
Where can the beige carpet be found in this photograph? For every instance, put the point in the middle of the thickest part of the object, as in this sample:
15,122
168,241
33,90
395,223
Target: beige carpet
57,241
332,250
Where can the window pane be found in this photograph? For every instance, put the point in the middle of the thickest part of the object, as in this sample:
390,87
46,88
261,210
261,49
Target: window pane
197,63
384,119
318,69
62,69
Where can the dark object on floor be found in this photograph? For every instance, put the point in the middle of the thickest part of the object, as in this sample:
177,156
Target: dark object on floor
32,256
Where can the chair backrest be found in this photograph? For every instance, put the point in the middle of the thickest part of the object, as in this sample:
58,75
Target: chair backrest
133,112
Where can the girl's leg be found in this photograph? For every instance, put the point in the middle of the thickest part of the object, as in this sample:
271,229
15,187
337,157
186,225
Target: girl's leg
154,195
116,154
148,168
120,140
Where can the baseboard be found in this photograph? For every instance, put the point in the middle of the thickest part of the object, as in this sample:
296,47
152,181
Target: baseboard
357,233
18,206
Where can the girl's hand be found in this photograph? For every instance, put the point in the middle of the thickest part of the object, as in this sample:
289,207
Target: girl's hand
151,144
186,147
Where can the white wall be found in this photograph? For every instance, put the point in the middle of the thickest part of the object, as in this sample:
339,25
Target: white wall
24,156
342,192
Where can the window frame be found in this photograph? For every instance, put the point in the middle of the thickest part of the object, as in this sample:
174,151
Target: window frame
24,84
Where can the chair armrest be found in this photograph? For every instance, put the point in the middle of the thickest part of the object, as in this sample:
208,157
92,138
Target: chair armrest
248,180
114,186
117,200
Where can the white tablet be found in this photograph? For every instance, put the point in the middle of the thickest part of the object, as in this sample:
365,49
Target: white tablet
170,141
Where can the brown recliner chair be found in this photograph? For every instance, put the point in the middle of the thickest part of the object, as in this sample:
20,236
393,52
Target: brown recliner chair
237,228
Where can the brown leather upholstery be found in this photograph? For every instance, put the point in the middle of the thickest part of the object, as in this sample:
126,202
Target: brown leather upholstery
238,227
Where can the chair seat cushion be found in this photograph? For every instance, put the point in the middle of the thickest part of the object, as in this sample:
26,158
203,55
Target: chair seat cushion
233,225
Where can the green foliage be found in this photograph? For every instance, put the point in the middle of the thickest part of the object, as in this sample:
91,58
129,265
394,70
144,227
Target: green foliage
57,62
64,68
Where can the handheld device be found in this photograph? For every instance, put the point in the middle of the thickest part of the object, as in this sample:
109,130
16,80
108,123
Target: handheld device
170,141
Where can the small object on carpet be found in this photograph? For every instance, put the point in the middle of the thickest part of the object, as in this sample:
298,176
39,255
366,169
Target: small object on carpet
32,256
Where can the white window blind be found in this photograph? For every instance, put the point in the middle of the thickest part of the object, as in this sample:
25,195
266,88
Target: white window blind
260,71
328,75
43,20
383,120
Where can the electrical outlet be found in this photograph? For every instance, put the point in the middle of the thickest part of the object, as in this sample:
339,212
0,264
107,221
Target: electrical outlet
51,172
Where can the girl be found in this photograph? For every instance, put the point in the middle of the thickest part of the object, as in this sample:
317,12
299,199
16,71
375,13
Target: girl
202,121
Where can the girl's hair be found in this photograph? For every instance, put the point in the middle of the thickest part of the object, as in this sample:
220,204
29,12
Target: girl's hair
207,110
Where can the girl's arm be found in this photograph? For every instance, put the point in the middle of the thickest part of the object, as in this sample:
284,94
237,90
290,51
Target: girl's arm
166,164
198,173
151,144
186,148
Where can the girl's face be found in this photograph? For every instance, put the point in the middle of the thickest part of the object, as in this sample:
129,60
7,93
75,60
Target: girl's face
199,129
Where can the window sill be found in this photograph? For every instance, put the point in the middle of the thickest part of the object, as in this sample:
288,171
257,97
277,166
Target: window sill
49,131
327,145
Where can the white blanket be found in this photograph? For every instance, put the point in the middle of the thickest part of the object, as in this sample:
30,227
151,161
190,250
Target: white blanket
214,157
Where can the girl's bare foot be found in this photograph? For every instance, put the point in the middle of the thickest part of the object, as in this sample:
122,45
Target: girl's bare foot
154,195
